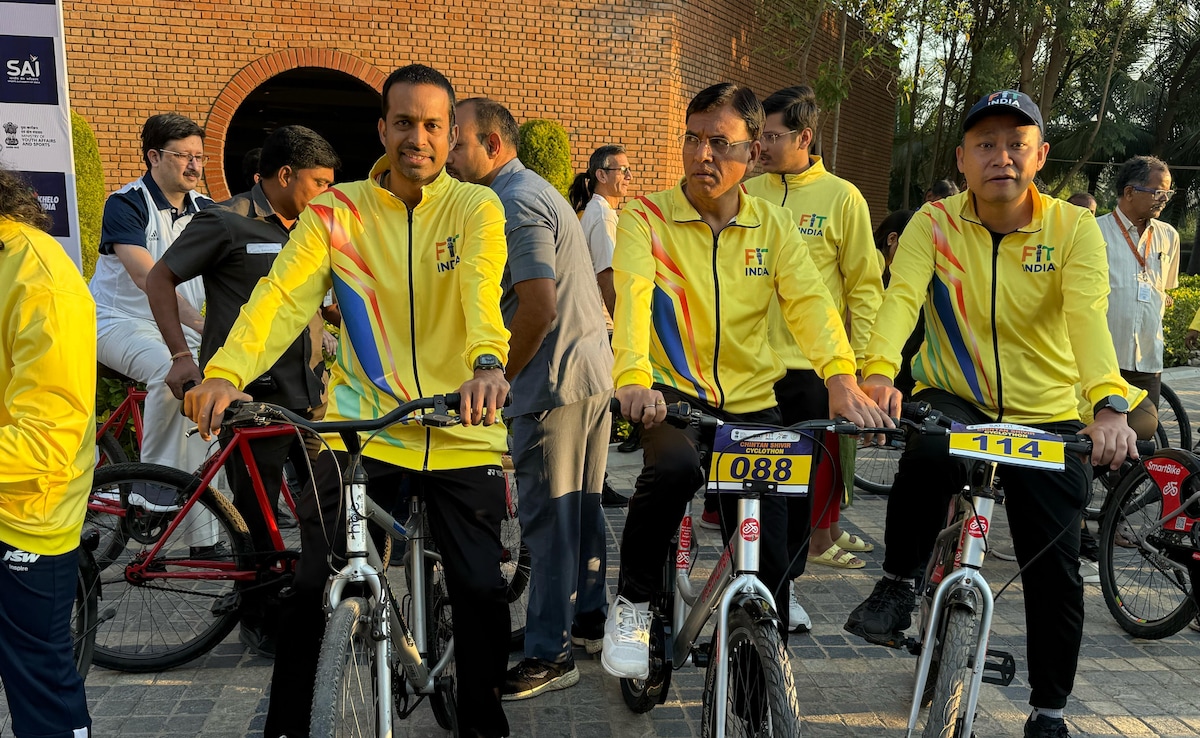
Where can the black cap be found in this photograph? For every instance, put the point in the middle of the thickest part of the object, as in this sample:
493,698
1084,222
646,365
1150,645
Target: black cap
1004,101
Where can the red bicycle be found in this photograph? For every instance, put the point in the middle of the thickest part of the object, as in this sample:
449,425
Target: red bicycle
122,430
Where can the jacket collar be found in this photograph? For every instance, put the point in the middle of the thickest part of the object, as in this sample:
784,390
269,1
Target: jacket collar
816,169
429,192
506,172
682,210
965,208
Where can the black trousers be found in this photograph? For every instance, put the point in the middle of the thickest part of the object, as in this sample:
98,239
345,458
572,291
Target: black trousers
1044,510
802,396
671,474
270,454
465,508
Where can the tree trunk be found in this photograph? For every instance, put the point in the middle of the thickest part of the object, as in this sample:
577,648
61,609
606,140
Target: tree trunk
912,112
831,161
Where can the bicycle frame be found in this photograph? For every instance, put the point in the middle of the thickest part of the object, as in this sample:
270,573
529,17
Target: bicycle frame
130,407
965,586
736,573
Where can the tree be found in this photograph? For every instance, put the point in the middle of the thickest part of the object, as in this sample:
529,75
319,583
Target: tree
545,148
89,190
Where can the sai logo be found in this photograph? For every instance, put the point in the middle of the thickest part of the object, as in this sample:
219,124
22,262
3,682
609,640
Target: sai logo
754,262
29,70
812,224
24,71
1038,258
447,254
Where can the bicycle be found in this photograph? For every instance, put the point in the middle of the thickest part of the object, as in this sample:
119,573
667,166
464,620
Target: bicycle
115,435
1174,427
875,467
956,601
748,683
1149,544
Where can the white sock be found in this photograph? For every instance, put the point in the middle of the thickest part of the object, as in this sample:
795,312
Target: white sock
1055,713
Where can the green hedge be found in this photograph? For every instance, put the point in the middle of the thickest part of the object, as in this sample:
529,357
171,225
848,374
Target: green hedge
89,190
546,149
1178,317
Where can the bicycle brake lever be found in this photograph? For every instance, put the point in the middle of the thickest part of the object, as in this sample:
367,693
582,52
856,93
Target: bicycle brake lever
440,417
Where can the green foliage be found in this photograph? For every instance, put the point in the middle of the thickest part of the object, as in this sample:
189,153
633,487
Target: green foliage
546,149
1178,317
89,190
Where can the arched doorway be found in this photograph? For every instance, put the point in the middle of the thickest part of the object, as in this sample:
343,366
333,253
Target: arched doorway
336,105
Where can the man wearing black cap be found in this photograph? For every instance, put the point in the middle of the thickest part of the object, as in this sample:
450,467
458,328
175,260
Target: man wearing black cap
1015,287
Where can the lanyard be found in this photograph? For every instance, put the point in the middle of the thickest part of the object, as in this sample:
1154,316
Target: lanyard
1141,260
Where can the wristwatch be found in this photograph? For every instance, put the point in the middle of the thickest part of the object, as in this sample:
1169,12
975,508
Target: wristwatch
488,361
1116,403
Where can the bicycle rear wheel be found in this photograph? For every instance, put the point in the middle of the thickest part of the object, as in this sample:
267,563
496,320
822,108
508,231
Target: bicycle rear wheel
957,647
440,629
761,699
514,567
1173,418
171,608
875,467
85,612
1148,596
345,696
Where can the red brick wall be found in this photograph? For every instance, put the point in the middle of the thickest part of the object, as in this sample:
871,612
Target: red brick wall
608,71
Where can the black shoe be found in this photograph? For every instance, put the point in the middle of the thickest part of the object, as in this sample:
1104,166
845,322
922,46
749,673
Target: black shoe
285,521
633,443
257,641
591,639
609,497
209,553
885,614
531,677
1046,727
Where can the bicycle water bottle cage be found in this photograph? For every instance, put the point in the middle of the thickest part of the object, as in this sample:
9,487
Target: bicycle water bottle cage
751,459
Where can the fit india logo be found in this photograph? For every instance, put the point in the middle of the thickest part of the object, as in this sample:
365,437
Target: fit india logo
1004,97
812,224
1038,258
447,254
10,134
755,259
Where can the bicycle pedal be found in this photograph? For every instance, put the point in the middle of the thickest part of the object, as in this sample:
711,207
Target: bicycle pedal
701,655
227,604
1004,666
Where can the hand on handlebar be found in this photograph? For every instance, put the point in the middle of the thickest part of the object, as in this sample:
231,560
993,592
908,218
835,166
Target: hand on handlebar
181,373
1112,439
482,396
642,405
206,403
847,400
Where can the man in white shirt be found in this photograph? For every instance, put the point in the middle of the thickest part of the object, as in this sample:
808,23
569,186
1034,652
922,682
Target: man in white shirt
1143,263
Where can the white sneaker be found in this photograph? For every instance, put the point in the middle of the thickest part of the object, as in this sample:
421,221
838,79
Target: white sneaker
798,619
154,497
626,651
1089,571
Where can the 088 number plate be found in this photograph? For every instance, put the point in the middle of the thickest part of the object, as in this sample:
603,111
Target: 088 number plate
746,458
1006,443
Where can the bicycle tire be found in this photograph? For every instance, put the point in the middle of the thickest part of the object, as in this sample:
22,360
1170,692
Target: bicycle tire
85,613
158,626
1174,418
515,567
957,648
109,450
1148,598
761,700
345,700
111,527
875,468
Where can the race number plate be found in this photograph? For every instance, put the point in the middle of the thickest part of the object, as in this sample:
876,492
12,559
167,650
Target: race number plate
1005,443
764,460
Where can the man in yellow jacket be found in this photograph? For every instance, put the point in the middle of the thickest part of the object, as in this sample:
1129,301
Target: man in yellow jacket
697,268
47,449
415,259
1015,289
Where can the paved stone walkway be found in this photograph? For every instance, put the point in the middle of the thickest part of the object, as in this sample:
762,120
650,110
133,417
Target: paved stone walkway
1125,687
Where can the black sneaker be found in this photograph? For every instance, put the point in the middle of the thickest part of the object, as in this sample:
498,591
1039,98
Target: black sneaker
209,553
284,519
1046,727
531,677
155,497
590,639
885,614
609,497
257,641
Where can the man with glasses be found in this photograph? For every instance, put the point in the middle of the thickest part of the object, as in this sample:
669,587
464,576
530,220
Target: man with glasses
140,221
697,270
835,221
1143,263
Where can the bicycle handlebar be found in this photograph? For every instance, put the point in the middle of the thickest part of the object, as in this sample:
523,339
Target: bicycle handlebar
681,415
263,413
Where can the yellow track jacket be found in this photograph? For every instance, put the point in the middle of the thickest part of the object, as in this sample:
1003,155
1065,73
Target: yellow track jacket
835,221
1011,327
692,308
48,380
419,291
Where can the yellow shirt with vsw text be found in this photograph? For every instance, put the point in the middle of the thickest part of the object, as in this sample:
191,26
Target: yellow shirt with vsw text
419,292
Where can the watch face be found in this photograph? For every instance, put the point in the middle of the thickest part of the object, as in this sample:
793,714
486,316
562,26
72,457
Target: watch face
487,361
1118,403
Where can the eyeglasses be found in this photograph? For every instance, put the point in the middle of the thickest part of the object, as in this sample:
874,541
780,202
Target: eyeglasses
772,138
719,146
625,171
189,158
1158,194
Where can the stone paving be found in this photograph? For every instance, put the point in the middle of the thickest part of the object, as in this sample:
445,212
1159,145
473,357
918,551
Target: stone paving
1125,687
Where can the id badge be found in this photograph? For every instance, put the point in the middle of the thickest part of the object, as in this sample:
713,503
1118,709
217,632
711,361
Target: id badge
1145,291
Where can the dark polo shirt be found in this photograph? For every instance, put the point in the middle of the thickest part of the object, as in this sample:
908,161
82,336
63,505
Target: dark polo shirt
232,245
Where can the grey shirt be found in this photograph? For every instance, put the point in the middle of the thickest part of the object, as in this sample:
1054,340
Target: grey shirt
545,241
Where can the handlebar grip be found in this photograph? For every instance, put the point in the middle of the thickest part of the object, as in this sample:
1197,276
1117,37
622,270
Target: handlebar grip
188,386
1145,448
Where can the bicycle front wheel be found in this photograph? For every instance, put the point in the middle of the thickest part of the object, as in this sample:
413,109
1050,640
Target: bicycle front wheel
875,467
172,604
345,696
1148,594
957,648
85,613
1173,418
514,567
761,699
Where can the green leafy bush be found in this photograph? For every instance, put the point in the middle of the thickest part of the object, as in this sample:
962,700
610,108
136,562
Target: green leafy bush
1178,317
546,149
89,190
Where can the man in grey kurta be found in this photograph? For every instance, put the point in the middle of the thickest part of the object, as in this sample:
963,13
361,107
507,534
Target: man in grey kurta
560,368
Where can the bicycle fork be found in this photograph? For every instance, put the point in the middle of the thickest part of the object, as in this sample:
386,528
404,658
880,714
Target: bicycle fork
965,587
